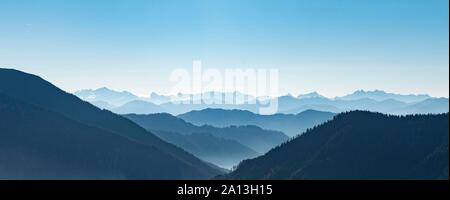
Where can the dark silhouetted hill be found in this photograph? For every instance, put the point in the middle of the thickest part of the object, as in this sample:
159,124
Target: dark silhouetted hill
359,145
82,117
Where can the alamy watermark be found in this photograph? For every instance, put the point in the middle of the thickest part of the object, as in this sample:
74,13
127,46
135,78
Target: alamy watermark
214,86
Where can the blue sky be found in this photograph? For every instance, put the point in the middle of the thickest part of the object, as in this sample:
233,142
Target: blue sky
330,46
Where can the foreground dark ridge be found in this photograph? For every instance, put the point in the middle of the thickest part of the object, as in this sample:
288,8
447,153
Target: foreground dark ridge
82,132
359,145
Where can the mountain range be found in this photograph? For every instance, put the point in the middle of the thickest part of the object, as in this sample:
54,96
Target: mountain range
376,101
209,143
292,105
111,97
359,145
47,133
289,124
251,136
225,153
379,95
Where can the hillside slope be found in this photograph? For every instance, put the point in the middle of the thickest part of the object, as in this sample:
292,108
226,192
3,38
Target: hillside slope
359,145
33,90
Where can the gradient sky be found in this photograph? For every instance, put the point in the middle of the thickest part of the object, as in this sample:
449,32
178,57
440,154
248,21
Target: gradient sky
330,46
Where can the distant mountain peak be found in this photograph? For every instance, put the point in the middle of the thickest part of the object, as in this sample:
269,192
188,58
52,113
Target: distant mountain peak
103,89
154,94
369,92
381,95
310,95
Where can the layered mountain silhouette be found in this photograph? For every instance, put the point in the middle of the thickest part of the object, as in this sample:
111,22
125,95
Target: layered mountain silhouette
292,105
251,136
359,145
432,105
219,100
111,97
226,153
376,101
50,134
289,124
310,95
158,99
47,133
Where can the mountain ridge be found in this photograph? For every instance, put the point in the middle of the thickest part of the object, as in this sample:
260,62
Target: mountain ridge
289,124
40,93
373,100
359,145
251,136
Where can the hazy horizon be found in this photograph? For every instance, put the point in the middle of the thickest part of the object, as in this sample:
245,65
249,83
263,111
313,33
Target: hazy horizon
292,94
